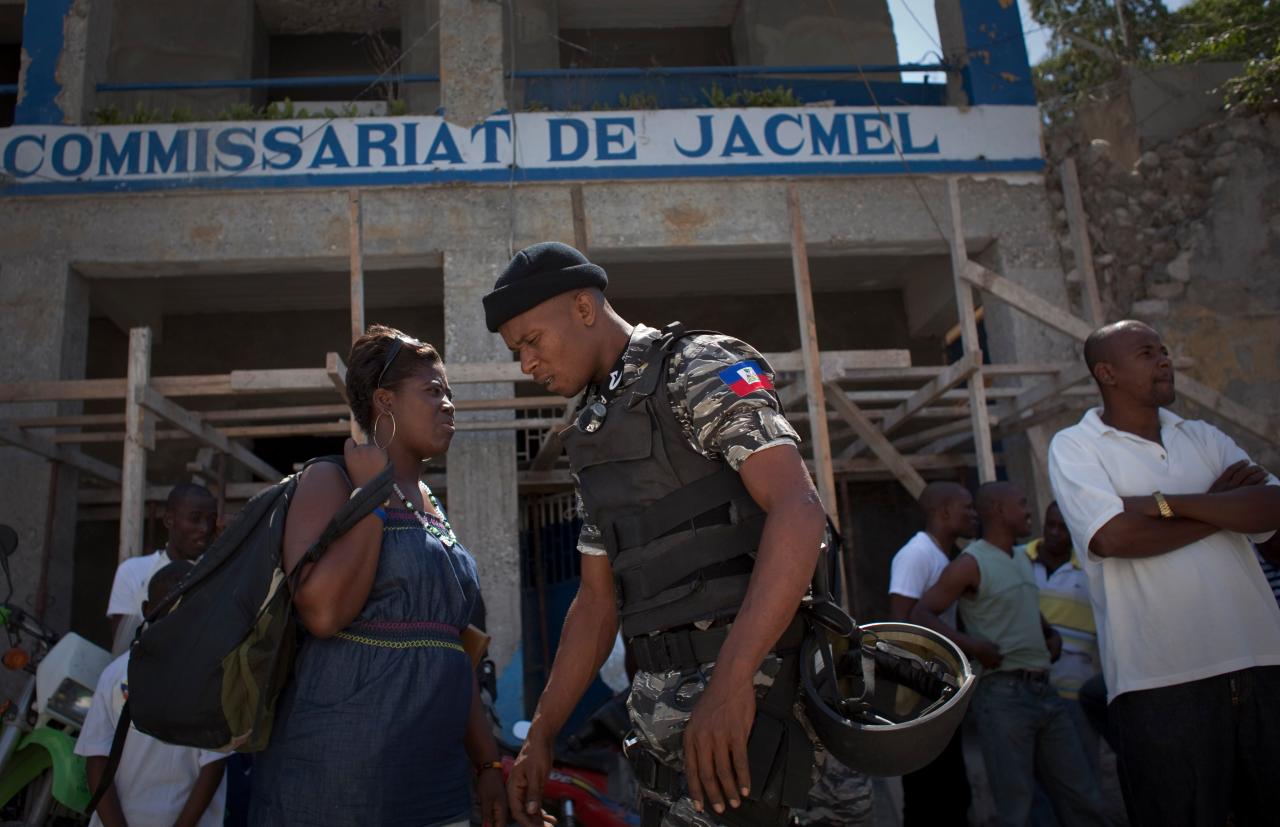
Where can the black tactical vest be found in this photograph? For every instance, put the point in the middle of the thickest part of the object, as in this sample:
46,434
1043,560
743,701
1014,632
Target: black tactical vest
681,530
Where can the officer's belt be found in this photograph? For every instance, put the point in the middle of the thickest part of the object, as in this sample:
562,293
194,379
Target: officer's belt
690,648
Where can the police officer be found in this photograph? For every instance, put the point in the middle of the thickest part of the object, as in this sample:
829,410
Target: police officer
701,533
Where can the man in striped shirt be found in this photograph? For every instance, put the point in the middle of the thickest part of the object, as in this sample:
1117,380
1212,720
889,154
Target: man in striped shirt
1064,602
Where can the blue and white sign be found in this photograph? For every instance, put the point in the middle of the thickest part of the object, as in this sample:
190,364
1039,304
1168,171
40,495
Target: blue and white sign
676,143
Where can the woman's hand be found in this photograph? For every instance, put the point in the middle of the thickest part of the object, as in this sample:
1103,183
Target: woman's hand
493,798
364,462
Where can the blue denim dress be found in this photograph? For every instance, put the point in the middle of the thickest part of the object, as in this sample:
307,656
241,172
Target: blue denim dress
370,730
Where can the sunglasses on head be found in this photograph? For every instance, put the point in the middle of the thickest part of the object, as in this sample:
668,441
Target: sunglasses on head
392,353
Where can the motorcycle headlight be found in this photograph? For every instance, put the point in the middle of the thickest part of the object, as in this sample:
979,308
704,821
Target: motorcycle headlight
70,703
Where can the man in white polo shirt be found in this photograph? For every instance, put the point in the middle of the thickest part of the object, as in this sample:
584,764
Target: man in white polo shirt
1187,628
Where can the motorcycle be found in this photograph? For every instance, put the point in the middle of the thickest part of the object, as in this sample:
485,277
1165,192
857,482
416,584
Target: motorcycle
42,780
589,777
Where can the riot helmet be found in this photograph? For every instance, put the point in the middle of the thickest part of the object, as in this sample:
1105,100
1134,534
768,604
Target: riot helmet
886,699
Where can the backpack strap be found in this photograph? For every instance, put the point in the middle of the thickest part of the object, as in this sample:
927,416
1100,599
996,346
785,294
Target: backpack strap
359,505
113,759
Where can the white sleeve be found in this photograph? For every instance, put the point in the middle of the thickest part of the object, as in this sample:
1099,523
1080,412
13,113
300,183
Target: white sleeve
124,598
206,757
99,729
909,573
1084,492
1224,449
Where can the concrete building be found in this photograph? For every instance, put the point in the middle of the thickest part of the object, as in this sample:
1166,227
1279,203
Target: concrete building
665,138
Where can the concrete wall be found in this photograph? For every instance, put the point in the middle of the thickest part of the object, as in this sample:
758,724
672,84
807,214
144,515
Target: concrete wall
171,40
813,32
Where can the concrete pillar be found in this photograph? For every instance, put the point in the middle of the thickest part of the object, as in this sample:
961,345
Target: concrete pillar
813,33
188,40
1025,252
420,38
984,38
482,481
471,48
64,57
45,306
534,28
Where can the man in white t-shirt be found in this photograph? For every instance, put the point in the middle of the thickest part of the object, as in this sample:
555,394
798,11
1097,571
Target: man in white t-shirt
189,516
939,792
1187,628
156,784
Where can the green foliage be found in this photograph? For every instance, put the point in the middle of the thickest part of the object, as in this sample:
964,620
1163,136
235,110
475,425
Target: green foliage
778,96
398,108
1091,41
1089,48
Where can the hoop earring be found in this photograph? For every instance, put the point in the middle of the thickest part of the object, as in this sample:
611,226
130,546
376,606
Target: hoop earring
373,433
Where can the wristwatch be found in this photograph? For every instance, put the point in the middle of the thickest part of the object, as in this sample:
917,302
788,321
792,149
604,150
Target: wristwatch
1161,503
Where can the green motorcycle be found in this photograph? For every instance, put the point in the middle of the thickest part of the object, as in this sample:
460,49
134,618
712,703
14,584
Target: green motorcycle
42,780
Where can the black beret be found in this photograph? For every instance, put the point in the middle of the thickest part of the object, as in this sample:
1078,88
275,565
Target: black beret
536,274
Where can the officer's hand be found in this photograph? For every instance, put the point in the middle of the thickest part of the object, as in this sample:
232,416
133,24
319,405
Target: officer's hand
715,745
528,777
364,462
988,654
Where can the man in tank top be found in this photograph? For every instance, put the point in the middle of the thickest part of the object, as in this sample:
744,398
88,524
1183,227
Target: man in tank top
1025,727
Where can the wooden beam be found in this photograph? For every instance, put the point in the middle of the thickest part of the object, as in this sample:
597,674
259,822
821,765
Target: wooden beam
355,248
1078,225
876,441
951,376
1049,388
336,370
969,337
198,428
912,441
63,390
133,482
1020,298
920,462
1255,423
274,381
812,360
51,451
579,219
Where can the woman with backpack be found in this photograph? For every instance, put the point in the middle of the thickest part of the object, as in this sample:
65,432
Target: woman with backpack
381,722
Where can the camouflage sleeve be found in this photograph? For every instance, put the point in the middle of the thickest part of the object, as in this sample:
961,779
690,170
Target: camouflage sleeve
722,390
589,542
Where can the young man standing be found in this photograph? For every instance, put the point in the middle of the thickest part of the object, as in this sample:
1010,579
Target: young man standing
156,783
701,532
939,792
1188,630
189,515
1026,730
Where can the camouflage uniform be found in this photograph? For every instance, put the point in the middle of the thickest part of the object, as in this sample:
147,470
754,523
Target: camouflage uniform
841,798
719,423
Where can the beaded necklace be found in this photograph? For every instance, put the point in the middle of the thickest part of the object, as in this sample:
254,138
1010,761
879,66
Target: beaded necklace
447,538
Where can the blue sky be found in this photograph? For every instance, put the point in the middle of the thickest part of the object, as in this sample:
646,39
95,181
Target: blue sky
918,39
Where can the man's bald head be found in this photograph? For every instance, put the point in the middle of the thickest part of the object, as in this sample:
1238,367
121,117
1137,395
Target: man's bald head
937,496
1106,343
948,510
1002,507
1130,365
992,496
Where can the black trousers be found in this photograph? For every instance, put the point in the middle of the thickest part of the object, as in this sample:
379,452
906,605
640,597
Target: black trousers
1193,753
938,795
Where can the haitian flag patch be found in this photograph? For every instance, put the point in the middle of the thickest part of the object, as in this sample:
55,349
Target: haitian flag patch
746,377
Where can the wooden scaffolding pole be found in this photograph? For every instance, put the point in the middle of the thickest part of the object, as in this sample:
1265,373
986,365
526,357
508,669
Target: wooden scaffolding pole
812,359
1080,245
981,417
356,248
139,437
